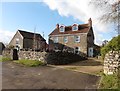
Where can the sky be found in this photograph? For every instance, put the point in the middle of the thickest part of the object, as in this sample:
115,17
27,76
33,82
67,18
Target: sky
43,15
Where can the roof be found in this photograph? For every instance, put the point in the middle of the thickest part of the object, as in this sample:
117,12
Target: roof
30,35
84,28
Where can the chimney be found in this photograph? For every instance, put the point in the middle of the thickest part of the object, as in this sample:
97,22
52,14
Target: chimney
90,22
57,26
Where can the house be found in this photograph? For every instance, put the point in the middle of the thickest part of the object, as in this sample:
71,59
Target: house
2,47
27,40
76,38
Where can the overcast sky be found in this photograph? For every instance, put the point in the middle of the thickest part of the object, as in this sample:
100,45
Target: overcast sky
45,14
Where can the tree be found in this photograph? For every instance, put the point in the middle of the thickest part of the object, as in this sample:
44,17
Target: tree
113,45
110,11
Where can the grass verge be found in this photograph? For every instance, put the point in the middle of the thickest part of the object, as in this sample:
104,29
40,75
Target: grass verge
29,63
109,82
5,59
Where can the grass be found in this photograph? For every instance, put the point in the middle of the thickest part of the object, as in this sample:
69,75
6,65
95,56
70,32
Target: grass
109,82
72,68
2,59
29,63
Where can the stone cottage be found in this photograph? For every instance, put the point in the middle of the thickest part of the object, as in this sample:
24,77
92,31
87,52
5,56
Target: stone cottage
28,40
77,38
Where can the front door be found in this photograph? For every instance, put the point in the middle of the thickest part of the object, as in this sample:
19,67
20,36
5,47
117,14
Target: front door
15,54
90,52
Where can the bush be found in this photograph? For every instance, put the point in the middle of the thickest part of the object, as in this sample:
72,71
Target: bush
30,63
113,45
61,58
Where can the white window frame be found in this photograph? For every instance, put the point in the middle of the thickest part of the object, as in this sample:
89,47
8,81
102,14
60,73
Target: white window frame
55,39
65,39
75,25
77,38
62,26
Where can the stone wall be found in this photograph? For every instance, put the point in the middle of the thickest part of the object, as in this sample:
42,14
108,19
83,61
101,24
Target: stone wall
111,62
8,53
32,55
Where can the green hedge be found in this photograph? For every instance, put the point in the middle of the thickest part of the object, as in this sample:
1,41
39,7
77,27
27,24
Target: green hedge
61,58
113,45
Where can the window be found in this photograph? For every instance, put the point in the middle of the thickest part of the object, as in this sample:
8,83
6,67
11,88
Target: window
77,50
65,39
75,27
17,41
62,28
55,39
77,38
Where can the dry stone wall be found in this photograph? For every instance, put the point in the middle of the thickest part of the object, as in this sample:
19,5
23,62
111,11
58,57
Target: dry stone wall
111,62
7,53
31,55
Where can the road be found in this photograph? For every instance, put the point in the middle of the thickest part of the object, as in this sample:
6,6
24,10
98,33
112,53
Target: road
15,76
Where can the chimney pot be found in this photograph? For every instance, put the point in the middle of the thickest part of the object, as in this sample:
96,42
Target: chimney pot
90,22
57,26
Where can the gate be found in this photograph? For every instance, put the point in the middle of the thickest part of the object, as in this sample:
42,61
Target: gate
15,54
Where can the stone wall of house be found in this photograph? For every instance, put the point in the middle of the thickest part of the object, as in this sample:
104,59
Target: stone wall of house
71,44
111,62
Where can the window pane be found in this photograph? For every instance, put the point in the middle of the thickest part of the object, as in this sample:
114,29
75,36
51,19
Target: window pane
62,29
77,38
55,39
65,39
75,27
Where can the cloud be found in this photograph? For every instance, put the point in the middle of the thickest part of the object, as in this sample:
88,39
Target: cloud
6,36
81,10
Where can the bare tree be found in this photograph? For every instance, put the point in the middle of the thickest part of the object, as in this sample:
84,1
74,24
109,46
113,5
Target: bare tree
110,11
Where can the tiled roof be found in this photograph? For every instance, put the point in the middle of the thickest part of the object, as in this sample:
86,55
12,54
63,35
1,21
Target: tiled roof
84,28
30,35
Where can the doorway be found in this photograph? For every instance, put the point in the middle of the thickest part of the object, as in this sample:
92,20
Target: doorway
90,51
15,54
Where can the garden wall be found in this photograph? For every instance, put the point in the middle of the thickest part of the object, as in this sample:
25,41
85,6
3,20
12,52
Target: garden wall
112,62
55,58
31,55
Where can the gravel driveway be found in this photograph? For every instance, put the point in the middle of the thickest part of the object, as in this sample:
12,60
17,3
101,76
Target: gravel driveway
15,76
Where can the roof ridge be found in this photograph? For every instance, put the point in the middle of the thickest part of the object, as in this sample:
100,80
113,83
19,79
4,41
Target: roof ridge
28,32
76,23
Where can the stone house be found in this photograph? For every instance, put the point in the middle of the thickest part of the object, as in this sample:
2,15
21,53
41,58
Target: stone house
27,40
2,47
77,38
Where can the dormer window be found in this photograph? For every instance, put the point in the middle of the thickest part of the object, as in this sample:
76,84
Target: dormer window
62,28
75,27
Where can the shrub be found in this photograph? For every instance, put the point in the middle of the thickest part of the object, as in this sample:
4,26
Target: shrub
61,58
113,45
30,63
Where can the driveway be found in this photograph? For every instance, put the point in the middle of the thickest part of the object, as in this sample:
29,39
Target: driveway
15,76
91,66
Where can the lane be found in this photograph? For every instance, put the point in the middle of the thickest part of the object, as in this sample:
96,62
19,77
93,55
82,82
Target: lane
15,76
